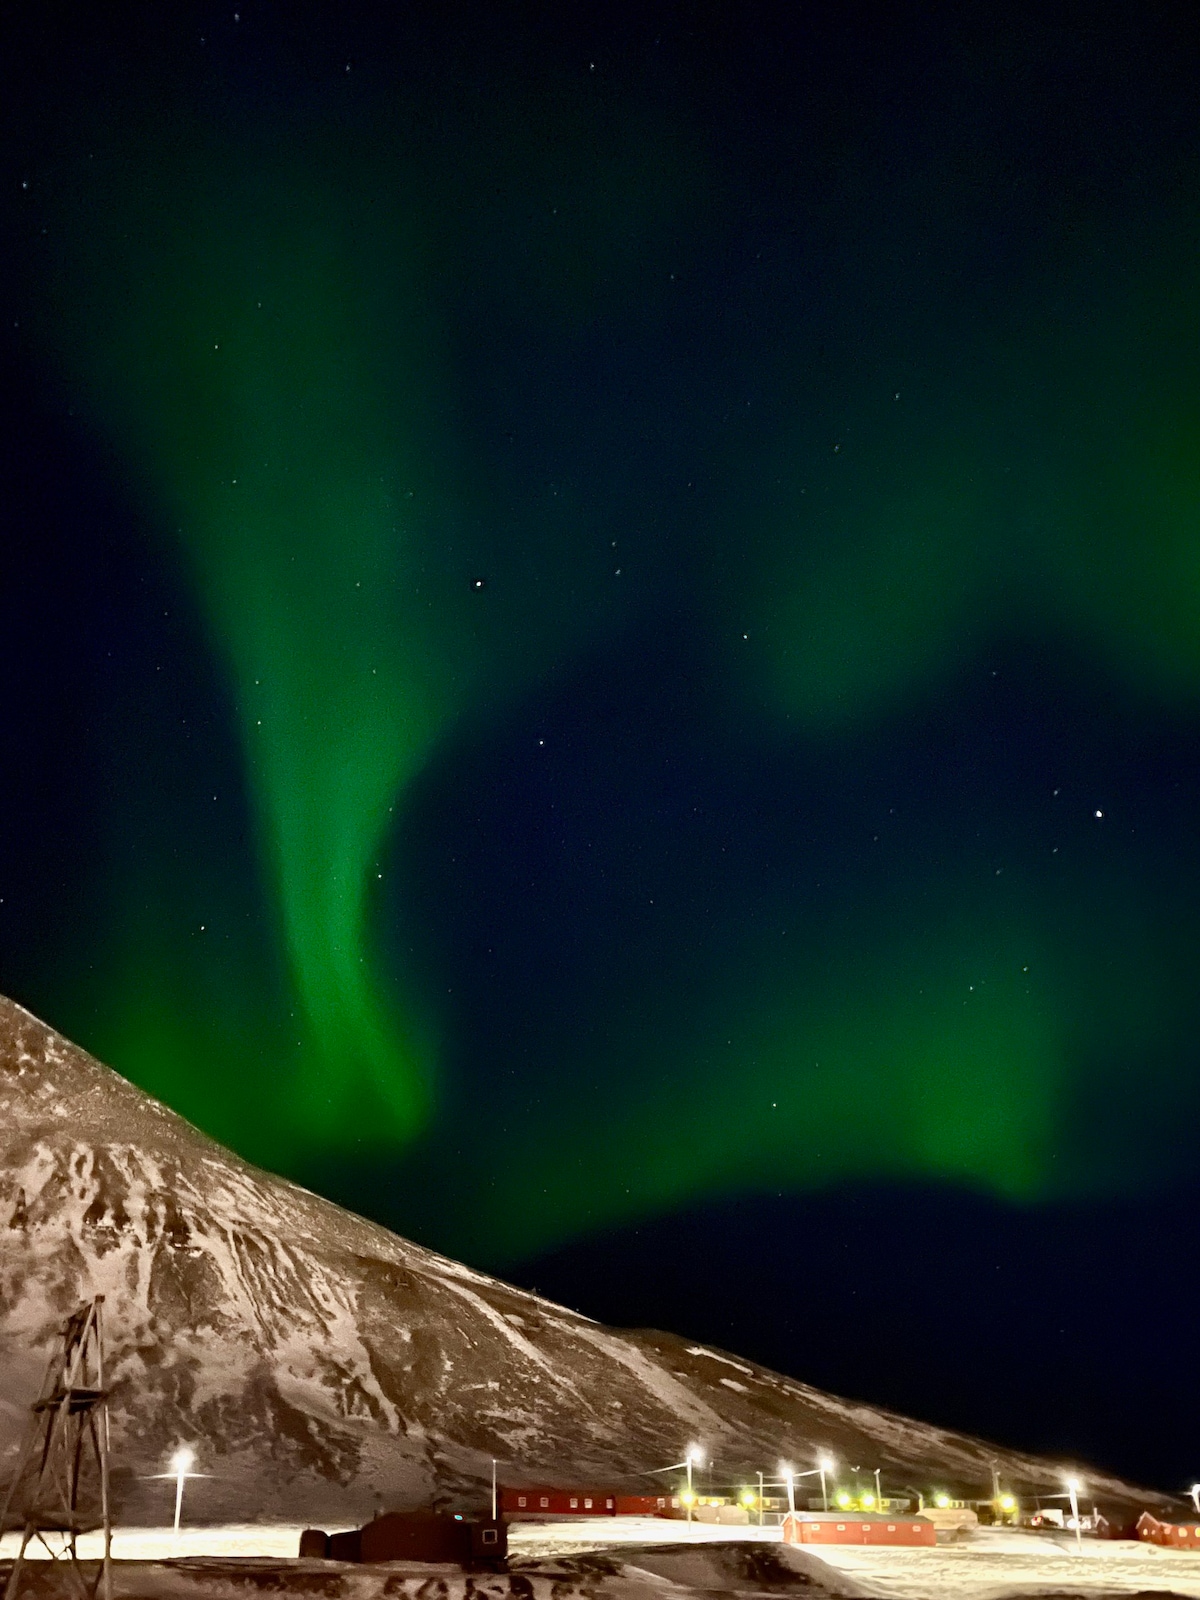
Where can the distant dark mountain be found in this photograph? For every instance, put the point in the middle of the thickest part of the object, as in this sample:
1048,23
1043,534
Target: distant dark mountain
319,1364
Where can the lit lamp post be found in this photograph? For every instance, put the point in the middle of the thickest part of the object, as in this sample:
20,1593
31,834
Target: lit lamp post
181,1463
695,1456
1194,1491
825,1464
789,1477
1073,1487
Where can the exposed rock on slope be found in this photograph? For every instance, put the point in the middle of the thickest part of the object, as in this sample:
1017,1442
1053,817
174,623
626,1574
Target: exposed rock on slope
319,1363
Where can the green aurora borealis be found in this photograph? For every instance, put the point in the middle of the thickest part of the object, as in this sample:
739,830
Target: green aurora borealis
698,612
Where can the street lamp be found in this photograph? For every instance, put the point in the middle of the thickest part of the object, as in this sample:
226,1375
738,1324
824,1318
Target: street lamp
787,1473
825,1464
181,1464
695,1457
1073,1487
1194,1491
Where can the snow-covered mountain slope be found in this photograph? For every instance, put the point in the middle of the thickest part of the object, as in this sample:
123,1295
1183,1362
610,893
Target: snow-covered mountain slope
319,1364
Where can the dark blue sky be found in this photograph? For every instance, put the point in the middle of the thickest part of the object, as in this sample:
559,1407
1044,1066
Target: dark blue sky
601,630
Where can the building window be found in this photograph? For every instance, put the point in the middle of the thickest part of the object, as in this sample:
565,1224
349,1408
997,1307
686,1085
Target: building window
520,1499
574,1503
544,1501
489,1536
587,1504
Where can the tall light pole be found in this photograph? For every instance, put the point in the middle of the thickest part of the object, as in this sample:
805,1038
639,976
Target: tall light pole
694,1456
1073,1490
760,1499
787,1473
1194,1491
825,1464
878,1492
181,1462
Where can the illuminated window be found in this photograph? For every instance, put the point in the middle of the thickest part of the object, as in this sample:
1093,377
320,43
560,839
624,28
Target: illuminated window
587,1504
520,1499
544,1501
574,1503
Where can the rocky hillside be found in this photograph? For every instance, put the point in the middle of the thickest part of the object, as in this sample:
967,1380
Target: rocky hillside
319,1364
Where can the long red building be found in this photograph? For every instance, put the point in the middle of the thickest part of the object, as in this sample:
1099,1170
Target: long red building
543,1501
857,1527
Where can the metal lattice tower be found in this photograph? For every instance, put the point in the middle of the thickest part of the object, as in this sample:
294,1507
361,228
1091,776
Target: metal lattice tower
50,1492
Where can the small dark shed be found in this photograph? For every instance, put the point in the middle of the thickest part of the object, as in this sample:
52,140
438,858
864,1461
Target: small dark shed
346,1546
414,1536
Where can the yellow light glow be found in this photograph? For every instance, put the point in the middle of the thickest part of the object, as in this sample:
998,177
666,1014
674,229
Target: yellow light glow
687,1498
843,1500
868,1500
942,1501
1008,1502
749,1498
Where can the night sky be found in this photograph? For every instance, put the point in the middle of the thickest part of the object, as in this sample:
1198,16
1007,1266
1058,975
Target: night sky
600,654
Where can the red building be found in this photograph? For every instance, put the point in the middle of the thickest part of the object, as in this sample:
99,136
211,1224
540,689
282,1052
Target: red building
856,1527
543,1501
1172,1535
646,1505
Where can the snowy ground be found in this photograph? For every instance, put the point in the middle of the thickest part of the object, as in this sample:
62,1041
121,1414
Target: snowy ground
670,1557
160,1544
992,1563
283,1539
976,1571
